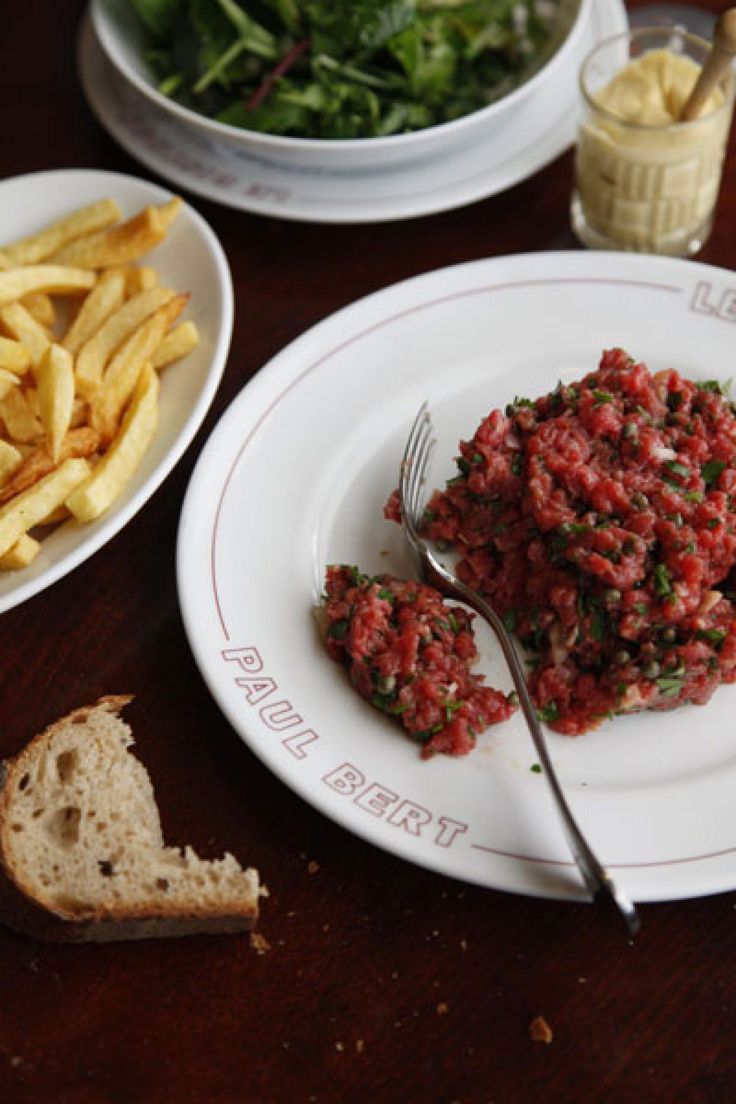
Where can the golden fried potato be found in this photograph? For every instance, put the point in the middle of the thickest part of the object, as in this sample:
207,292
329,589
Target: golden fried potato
78,380
82,442
10,460
14,356
55,517
61,279
55,396
102,300
116,467
29,508
178,343
23,327
8,380
79,412
21,423
16,283
140,278
117,327
40,306
20,554
123,243
85,220
109,401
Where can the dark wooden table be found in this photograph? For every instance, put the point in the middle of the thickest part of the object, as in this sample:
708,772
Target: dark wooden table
383,982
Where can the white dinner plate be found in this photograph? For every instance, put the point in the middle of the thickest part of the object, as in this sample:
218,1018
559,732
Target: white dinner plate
541,128
190,259
295,476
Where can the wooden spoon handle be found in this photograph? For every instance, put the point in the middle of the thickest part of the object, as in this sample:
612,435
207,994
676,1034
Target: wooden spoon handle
716,67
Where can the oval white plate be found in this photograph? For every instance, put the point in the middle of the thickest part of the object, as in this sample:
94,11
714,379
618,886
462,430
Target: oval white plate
295,477
190,259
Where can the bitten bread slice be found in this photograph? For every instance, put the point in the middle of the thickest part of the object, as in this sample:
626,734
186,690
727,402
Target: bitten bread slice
81,851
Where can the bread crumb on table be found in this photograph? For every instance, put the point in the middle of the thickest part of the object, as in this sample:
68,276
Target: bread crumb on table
540,1031
442,1009
259,943
313,867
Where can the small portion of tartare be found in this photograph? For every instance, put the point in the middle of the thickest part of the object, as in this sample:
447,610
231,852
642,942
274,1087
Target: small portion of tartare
600,521
410,655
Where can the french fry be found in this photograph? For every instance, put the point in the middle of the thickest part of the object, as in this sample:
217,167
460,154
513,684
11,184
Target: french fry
121,376
23,327
16,283
10,460
95,353
177,343
40,306
55,517
31,397
85,220
102,300
14,356
20,421
55,396
116,467
79,411
140,278
20,554
30,507
123,243
82,442
8,380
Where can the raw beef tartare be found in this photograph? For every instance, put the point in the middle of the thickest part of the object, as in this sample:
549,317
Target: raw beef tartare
600,521
410,655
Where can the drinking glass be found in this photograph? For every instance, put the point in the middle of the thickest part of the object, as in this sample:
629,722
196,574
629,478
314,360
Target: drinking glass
641,186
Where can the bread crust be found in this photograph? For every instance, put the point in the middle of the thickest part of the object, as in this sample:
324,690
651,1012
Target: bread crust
20,911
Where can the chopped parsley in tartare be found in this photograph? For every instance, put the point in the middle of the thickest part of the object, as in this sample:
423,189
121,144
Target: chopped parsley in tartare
410,655
600,521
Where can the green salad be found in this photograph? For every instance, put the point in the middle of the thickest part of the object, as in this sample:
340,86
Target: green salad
341,68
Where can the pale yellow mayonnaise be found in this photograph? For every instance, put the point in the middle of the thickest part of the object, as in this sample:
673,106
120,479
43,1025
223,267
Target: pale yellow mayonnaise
644,180
653,89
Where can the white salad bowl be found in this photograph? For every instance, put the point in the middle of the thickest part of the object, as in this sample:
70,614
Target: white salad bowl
123,41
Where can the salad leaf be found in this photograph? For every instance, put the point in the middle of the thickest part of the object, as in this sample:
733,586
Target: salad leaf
340,27
159,17
429,65
340,68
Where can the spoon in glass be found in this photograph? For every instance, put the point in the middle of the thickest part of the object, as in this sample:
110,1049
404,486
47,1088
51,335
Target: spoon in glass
715,67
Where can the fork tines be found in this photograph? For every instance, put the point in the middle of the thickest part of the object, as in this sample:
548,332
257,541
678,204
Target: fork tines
414,468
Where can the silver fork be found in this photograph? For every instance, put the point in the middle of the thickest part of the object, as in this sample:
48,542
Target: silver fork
412,478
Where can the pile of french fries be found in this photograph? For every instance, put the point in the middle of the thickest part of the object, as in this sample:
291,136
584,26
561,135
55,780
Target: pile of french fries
85,329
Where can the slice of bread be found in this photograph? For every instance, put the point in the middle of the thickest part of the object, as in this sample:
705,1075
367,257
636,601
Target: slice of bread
81,851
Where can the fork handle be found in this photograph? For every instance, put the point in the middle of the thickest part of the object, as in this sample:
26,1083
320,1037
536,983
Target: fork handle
595,876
